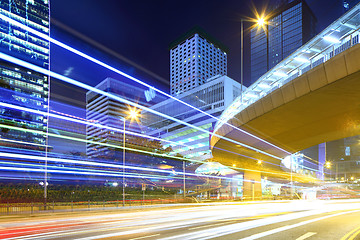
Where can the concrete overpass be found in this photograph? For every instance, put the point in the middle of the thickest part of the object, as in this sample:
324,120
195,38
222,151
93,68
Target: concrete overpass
315,99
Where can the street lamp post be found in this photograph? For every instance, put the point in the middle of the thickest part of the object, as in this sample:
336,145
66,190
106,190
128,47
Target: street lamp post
123,180
291,178
133,115
242,58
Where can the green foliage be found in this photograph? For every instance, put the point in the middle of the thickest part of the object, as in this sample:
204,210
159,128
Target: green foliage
64,193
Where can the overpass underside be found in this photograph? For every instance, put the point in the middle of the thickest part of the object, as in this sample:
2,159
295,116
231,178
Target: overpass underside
321,105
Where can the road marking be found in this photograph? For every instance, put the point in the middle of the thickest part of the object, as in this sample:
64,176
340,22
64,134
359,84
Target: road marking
211,225
280,229
145,237
350,233
354,235
254,217
306,235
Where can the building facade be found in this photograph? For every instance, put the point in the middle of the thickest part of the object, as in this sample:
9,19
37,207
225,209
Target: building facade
212,97
108,112
288,28
20,86
194,59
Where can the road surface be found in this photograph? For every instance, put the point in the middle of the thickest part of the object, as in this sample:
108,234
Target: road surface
334,219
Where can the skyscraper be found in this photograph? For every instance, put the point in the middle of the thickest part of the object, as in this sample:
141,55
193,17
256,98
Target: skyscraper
290,26
194,58
20,86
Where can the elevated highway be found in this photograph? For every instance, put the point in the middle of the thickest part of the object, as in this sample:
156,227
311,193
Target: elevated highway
319,106
311,97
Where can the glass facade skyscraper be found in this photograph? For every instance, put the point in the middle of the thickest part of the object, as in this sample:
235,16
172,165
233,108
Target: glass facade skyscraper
19,86
289,27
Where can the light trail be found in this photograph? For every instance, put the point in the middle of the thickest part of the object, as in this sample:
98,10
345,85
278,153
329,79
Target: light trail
98,143
75,51
22,169
115,146
110,128
70,170
71,161
117,98
12,106
58,160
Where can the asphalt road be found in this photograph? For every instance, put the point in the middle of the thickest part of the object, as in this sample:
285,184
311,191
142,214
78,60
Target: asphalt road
259,220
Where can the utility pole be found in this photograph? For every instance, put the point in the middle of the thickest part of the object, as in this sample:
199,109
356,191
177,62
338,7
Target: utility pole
184,179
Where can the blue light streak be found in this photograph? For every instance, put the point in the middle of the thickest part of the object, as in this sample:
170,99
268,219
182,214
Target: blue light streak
85,122
88,163
117,98
75,51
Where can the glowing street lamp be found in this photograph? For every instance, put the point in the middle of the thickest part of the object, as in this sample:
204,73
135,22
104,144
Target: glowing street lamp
260,22
328,165
132,114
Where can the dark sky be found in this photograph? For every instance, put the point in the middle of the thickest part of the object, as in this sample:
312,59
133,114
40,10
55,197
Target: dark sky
142,30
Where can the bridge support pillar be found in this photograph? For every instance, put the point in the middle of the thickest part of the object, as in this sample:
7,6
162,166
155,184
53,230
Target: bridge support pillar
322,160
252,186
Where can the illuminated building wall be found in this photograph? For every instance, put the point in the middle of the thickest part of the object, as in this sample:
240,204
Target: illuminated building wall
194,59
108,112
289,27
347,164
212,97
20,86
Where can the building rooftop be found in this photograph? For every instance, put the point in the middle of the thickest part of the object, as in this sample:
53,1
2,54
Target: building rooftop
203,34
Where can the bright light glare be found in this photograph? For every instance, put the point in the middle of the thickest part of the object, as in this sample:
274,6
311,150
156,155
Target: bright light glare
261,22
328,164
133,114
302,59
331,39
280,74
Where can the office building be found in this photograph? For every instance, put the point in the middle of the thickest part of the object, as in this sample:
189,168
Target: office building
290,26
213,97
20,86
108,112
194,58
346,164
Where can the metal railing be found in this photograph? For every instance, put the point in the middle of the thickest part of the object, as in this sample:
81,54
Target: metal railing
9,208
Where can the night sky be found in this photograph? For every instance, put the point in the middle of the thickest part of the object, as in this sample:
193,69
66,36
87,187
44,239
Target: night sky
141,31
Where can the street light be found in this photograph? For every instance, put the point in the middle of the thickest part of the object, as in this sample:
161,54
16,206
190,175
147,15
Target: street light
260,22
328,166
133,114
